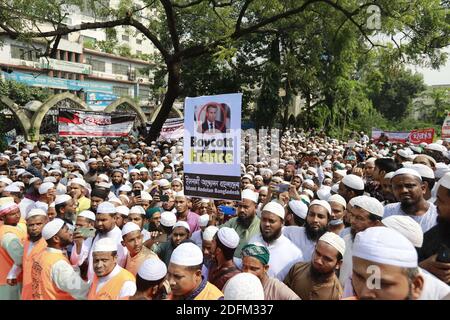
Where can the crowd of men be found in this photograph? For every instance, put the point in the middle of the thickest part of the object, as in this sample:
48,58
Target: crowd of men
105,219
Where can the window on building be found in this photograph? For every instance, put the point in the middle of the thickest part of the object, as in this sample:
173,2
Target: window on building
138,41
89,42
125,37
118,68
62,55
22,53
120,91
144,92
142,72
97,65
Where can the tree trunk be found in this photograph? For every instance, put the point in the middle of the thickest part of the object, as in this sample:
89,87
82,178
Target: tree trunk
173,90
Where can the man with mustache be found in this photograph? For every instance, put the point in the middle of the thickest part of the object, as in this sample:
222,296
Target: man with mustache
305,238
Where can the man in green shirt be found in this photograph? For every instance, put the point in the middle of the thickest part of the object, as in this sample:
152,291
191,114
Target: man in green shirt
246,224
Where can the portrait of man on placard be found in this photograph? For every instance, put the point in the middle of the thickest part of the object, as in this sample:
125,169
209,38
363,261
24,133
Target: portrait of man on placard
212,118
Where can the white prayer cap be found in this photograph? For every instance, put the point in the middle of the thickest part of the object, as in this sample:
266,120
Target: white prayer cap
143,169
209,233
43,188
338,199
146,196
164,183
105,245
370,204
386,246
407,227
114,199
130,227
335,188
134,171
50,179
299,208
423,170
309,181
183,224
87,214
52,228
34,179
321,203
78,181
4,156
91,160
203,220
244,286
187,254
445,181
62,198
125,188
42,205
335,241
152,270
137,210
228,237
18,184
36,212
168,219
406,171
309,193
436,147
123,210
341,172
178,194
55,170
12,188
106,208
103,177
389,175
141,183
250,195
275,208
353,181
324,193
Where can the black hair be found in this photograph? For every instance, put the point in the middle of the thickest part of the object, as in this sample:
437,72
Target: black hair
228,253
431,182
60,206
299,221
374,217
339,256
356,192
386,164
143,285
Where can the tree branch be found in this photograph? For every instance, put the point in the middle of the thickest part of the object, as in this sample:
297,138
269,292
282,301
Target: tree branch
241,15
187,5
152,37
171,23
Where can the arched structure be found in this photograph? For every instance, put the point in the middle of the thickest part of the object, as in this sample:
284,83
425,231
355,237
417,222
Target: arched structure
21,114
39,115
175,110
131,104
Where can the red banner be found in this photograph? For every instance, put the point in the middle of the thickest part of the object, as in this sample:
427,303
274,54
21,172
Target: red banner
415,136
422,135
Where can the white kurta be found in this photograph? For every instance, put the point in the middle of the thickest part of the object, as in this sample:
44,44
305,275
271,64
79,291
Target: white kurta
128,288
347,262
86,250
283,255
426,221
298,237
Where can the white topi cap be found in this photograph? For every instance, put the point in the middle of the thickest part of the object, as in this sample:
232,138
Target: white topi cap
244,286
105,245
335,241
87,214
275,208
130,227
152,270
228,237
52,228
209,233
187,254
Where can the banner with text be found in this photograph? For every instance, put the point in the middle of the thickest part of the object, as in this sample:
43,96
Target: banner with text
172,129
445,134
76,123
415,136
212,136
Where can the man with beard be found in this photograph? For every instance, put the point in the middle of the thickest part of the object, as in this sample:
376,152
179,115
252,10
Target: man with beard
409,189
394,257
77,187
223,246
437,239
317,280
66,209
267,176
117,181
246,224
105,223
53,278
153,219
11,238
283,253
134,175
258,182
180,232
296,213
98,196
305,238
382,167
92,174
60,188
351,186
366,212
32,192
386,189
289,172
137,252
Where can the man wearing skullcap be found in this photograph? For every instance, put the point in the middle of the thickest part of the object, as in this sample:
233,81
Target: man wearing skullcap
184,274
92,173
33,248
255,260
409,189
133,240
53,277
223,246
32,192
98,195
244,286
317,279
137,215
207,246
151,281
389,256
382,167
184,214
366,212
77,190
47,193
180,232
65,209
246,224
436,241
351,186
203,222
117,181
296,212
110,282
11,238
338,207
283,253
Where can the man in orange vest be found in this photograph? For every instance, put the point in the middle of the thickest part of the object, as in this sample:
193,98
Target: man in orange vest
32,249
11,240
52,276
110,282
185,275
